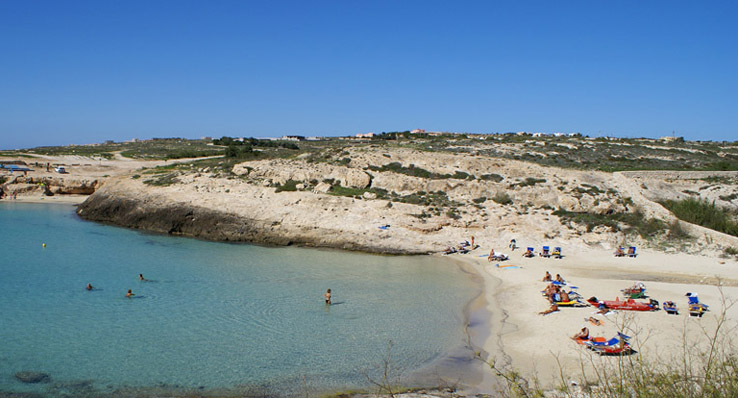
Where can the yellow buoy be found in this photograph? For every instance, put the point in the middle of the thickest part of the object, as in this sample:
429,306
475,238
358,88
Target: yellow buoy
43,244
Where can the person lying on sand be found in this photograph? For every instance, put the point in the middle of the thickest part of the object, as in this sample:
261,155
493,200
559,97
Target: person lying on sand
547,277
528,253
559,278
594,321
582,335
551,309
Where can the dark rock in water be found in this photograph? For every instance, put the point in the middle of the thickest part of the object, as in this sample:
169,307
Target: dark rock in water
30,377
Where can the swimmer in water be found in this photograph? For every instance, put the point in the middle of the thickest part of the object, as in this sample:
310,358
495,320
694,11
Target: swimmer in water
129,294
141,277
327,296
88,287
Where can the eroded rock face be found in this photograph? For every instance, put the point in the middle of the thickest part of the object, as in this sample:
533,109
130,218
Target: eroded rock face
26,185
280,171
32,377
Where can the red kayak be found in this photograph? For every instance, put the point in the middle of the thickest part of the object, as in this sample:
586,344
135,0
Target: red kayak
628,305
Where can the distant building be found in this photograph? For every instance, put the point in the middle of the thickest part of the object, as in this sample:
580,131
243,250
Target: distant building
671,139
417,131
365,135
293,138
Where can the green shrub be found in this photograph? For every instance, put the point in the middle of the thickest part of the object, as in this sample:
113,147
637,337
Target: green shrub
676,232
288,186
528,182
413,171
460,175
163,180
704,213
338,190
492,177
453,214
631,222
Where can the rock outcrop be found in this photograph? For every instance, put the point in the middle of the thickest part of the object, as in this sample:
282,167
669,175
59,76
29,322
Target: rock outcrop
32,377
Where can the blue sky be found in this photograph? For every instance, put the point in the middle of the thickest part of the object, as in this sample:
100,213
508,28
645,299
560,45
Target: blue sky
76,72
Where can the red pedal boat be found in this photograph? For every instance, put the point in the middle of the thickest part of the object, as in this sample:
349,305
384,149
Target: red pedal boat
627,305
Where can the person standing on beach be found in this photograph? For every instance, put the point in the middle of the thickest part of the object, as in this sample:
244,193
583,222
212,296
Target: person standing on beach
327,296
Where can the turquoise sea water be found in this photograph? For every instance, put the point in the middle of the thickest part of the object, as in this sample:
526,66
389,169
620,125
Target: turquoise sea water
214,315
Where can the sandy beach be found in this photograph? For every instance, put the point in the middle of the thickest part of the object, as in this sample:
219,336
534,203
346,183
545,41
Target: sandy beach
540,346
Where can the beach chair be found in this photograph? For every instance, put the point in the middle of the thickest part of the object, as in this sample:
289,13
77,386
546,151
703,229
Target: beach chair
546,252
637,291
632,251
670,308
695,307
529,252
613,341
557,252
620,252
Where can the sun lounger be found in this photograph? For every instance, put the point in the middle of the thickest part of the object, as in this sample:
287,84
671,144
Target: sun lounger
632,251
615,346
529,252
620,252
546,252
557,252
670,308
638,290
695,307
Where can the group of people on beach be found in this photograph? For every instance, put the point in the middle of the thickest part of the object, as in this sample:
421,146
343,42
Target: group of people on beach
463,247
12,196
554,292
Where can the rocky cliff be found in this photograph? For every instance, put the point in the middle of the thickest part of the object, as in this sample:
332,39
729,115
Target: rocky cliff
429,200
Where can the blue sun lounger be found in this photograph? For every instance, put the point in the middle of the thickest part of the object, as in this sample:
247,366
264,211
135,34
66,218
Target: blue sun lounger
546,252
557,252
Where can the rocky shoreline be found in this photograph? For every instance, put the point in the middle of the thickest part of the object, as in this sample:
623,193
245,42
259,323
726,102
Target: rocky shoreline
189,220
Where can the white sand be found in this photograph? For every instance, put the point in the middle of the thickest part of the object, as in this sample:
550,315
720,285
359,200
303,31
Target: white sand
540,346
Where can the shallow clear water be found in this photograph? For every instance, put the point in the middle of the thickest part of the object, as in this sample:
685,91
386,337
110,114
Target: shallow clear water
215,315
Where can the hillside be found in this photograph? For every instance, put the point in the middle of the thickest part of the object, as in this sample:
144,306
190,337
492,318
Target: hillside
433,191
